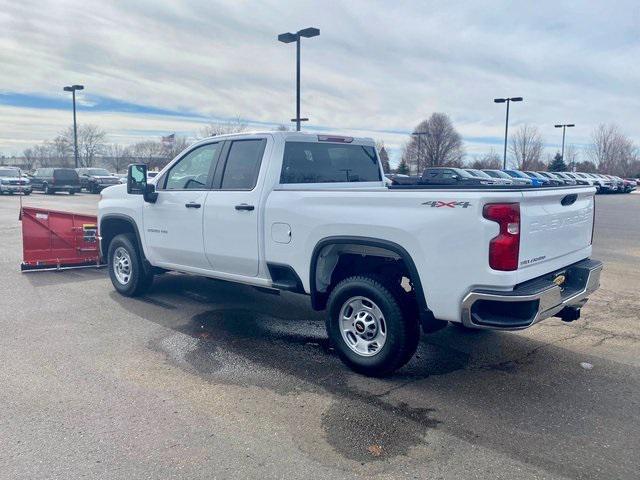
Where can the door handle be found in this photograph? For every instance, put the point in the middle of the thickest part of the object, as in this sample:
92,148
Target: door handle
192,205
244,206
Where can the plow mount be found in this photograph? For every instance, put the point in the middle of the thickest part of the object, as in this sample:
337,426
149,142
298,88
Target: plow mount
55,240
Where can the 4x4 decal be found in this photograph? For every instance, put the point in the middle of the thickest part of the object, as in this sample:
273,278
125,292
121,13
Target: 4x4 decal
440,204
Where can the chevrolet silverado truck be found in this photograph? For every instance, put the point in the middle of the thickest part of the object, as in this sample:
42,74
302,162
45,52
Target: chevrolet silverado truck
312,214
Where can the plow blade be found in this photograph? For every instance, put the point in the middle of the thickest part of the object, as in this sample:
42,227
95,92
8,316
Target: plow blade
58,240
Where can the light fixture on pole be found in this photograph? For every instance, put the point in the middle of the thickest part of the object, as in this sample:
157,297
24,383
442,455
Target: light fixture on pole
564,129
506,123
295,37
73,89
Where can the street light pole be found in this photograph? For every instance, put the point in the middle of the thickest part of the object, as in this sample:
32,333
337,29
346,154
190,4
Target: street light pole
506,124
73,89
564,129
295,37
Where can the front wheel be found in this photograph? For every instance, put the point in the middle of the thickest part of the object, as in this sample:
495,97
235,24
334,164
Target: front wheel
369,328
126,269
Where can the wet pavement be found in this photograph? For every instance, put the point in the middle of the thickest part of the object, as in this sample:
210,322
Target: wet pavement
206,379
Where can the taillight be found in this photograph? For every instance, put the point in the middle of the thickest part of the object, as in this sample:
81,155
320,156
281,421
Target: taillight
505,247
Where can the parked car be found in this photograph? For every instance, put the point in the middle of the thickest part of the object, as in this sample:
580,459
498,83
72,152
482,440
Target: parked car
94,180
555,176
568,179
546,180
518,181
13,181
536,182
604,184
579,180
480,174
312,214
52,180
453,176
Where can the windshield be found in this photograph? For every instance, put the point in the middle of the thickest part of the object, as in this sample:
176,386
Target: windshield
101,172
536,175
477,173
9,172
516,174
497,174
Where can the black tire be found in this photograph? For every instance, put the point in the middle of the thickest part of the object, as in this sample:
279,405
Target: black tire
402,329
27,193
72,192
140,278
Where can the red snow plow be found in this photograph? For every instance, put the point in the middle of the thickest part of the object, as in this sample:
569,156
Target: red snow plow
57,240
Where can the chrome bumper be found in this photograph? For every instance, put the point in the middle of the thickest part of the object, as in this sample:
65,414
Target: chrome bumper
533,300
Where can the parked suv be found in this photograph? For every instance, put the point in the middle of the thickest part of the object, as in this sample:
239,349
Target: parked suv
95,179
52,180
12,181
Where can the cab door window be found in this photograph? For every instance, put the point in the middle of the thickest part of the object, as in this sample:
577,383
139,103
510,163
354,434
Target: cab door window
192,172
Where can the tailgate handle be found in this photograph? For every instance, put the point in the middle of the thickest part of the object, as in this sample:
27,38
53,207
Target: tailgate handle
569,199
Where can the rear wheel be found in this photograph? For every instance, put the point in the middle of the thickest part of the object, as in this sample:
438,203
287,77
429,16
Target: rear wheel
368,326
126,268
72,192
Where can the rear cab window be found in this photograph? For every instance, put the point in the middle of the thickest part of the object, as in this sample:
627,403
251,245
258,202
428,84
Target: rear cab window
65,174
320,162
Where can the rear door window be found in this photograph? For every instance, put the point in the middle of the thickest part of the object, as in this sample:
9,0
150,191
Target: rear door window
310,162
243,164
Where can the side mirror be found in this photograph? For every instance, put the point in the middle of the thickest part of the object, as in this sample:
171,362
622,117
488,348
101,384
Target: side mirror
150,195
137,179
455,177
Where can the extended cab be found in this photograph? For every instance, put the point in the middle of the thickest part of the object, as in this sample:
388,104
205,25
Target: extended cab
312,214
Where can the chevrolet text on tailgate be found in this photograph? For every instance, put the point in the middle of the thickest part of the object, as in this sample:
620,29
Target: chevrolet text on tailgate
312,214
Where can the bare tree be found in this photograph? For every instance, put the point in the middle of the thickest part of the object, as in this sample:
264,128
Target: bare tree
489,160
438,143
224,128
91,140
148,152
60,151
283,128
526,147
42,155
612,151
384,157
29,159
118,157
170,150
586,166
571,156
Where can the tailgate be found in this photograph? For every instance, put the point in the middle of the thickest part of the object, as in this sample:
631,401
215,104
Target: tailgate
555,223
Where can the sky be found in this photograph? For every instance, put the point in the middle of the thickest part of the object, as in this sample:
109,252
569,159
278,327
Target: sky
155,67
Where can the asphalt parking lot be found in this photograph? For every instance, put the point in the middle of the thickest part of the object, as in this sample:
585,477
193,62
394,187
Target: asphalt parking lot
202,379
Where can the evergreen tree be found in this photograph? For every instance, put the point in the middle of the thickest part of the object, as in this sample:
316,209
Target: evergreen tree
403,168
557,164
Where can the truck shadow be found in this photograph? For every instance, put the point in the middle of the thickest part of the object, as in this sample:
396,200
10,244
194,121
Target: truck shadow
503,391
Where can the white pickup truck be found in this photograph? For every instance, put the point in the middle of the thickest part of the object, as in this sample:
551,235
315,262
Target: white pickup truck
313,214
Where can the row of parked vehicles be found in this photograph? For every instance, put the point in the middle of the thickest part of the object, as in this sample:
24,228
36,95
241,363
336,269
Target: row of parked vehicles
470,176
57,179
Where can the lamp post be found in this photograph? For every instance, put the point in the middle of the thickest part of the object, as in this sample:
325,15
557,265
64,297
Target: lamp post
564,129
419,135
73,89
295,37
506,123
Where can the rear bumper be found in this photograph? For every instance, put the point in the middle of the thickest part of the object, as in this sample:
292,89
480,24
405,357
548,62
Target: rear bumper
534,300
